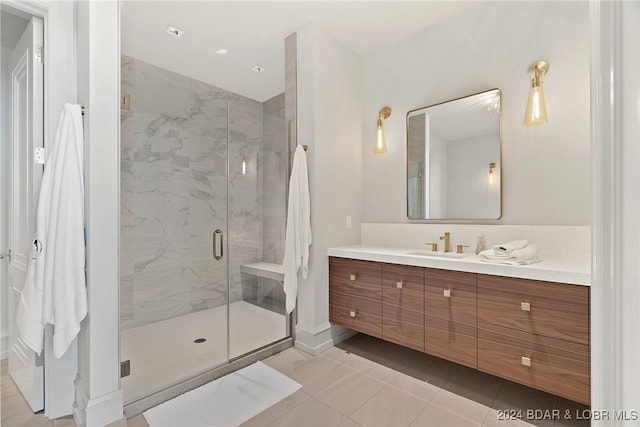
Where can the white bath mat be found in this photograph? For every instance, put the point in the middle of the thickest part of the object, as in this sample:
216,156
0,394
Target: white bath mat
227,401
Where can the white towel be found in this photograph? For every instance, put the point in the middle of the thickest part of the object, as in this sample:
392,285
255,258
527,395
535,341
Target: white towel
524,256
298,234
507,248
55,288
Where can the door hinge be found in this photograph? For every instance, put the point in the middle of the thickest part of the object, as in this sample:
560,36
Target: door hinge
38,53
39,155
125,368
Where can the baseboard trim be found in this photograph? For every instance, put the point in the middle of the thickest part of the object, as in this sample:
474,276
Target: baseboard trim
321,338
98,411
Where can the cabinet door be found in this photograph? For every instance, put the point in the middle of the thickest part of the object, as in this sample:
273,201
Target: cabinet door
451,296
403,305
355,295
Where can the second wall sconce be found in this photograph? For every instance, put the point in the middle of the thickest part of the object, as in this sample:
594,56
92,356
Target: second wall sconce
536,112
379,144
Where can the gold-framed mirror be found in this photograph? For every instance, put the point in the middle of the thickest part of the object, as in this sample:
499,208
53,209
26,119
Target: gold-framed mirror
454,167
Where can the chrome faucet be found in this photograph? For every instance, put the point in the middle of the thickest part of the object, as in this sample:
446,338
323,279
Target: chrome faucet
447,241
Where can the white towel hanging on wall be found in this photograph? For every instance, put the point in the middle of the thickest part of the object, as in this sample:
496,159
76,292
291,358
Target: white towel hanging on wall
298,234
55,286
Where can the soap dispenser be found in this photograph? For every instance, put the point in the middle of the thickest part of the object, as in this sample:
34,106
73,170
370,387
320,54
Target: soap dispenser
481,245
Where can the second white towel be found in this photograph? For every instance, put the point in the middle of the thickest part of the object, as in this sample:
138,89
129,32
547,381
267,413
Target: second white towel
507,248
523,256
298,233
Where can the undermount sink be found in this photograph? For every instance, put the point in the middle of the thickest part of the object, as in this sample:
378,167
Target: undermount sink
432,254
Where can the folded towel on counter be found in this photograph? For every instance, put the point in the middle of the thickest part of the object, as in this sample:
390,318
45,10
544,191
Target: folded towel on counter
507,248
524,256
511,261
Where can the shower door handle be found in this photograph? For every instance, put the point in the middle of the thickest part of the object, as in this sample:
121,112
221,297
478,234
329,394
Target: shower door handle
217,233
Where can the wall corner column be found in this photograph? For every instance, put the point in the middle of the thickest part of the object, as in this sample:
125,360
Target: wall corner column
99,398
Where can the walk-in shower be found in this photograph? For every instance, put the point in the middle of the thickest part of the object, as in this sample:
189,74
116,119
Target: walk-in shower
203,204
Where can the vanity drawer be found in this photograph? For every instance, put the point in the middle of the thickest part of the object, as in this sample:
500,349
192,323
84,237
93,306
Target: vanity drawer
355,273
355,295
451,295
355,312
452,341
556,366
552,309
405,328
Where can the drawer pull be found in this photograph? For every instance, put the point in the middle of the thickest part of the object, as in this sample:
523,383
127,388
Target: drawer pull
447,293
352,277
526,361
352,313
399,285
525,306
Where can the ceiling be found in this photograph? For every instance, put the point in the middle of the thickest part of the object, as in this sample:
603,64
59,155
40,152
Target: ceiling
254,33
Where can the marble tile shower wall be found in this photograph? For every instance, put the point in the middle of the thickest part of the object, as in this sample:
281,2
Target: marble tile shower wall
174,193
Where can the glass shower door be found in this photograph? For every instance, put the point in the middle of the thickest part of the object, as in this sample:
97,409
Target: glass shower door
174,215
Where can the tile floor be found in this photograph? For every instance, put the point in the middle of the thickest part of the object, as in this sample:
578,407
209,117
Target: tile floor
369,382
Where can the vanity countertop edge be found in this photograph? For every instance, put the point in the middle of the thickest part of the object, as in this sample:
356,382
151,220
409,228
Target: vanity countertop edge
572,269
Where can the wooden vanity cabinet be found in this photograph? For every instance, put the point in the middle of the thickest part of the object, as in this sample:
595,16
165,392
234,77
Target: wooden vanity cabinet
355,295
403,305
532,332
450,316
535,333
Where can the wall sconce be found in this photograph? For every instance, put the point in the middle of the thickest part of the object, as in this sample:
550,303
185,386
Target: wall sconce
379,144
536,112
492,180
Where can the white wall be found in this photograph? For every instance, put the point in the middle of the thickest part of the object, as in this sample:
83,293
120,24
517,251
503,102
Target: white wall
546,170
329,121
4,173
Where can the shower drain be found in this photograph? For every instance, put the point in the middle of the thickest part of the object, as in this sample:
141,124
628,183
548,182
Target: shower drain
199,340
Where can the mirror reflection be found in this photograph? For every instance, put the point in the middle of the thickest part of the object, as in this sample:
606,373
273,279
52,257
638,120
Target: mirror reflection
453,159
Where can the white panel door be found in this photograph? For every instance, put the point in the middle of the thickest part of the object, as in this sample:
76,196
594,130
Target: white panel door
27,81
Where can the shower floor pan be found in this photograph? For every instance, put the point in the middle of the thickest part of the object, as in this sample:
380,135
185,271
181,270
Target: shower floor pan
164,353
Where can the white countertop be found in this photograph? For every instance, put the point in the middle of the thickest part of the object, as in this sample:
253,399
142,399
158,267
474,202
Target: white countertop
566,268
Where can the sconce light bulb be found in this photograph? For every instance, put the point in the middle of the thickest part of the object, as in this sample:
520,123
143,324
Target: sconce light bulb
380,145
536,111
492,180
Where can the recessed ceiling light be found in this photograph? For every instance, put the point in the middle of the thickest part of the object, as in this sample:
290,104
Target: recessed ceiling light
176,32
258,69
222,51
